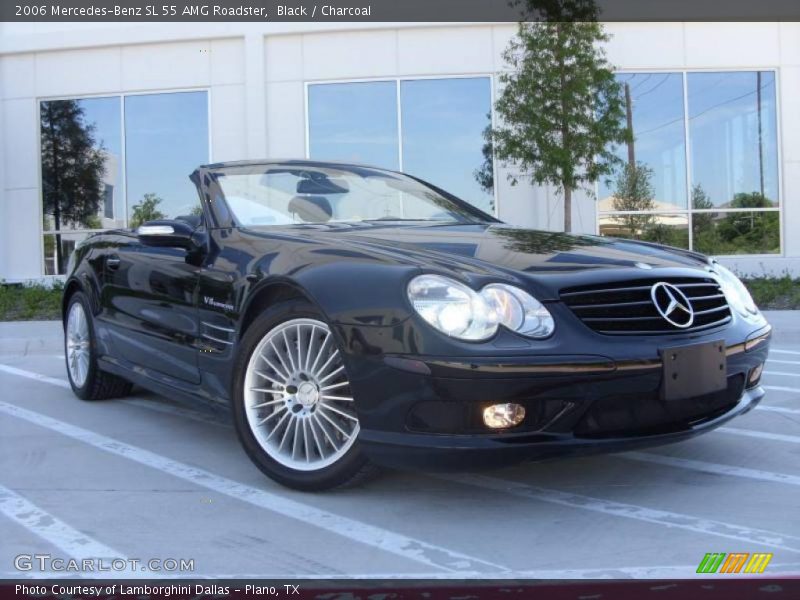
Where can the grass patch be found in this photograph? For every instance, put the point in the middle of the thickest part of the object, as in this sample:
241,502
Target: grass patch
30,302
775,293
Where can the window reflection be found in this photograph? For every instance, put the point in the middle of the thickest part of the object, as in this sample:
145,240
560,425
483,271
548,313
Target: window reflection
81,164
166,138
732,129
671,229
654,103
732,125
354,122
80,143
57,249
443,122
752,232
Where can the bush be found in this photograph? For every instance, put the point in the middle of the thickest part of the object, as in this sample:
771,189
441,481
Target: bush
28,302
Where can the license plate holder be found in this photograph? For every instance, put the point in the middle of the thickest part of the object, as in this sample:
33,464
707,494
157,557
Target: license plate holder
693,370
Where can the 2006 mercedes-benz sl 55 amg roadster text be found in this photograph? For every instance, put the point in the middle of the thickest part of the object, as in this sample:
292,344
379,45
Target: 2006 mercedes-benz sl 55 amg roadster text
352,317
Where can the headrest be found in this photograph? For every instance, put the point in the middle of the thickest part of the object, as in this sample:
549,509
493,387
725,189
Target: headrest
311,209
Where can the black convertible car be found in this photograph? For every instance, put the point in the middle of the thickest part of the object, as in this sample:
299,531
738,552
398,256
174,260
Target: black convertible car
352,316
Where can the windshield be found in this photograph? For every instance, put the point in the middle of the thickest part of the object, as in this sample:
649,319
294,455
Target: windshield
288,194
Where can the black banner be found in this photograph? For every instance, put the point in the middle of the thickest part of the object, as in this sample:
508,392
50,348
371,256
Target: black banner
718,588
384,10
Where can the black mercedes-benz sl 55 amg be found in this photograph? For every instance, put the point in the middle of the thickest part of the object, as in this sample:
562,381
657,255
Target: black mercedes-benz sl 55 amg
352,316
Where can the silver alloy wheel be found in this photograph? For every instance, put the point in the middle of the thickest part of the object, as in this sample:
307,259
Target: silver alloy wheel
297,396
78,345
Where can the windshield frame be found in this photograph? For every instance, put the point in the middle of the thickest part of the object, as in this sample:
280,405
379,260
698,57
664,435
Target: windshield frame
222,215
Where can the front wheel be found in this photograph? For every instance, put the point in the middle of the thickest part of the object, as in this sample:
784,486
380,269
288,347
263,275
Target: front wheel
293,405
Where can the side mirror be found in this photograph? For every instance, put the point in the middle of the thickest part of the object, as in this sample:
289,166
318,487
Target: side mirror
167,233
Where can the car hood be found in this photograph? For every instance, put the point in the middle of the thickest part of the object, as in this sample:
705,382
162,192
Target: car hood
490,250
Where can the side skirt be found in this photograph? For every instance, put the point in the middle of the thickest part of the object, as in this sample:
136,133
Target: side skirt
163,385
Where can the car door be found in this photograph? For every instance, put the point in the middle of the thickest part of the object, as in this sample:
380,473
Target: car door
149,302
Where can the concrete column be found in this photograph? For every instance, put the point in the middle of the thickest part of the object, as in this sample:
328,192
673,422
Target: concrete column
255,95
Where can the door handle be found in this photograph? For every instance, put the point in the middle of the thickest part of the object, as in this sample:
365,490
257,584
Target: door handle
112,262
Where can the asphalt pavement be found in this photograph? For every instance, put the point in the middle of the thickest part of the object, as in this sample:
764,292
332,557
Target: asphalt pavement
148,478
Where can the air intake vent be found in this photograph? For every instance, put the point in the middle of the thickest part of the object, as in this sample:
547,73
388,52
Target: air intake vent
627,307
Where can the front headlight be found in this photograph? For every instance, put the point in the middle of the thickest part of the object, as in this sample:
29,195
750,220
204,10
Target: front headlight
461,312
735,291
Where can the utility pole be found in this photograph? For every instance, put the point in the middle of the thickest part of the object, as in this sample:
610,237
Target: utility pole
629,118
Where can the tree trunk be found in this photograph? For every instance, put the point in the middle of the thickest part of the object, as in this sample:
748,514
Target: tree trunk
56,191
567,209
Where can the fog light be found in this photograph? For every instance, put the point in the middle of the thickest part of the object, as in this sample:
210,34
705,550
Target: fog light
755,374
503,416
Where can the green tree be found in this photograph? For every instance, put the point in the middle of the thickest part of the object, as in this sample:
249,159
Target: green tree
484,174
754,231
73,164
634,192
561,109
146,210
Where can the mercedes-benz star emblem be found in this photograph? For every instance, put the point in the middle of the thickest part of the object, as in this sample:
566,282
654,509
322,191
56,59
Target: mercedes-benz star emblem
672,304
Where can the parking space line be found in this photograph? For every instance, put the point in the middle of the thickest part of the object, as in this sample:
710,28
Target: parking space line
782,373
783,362
779,409
762,435
781,388
629,511
776,350
715,468
376,537
35,376
72,542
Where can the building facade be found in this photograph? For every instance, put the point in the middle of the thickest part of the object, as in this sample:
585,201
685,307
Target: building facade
102,123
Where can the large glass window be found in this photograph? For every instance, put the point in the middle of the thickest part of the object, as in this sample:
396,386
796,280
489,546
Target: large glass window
435,133
90,183
732,125
354,122
443,124
654,103
726,201
166,138
81,157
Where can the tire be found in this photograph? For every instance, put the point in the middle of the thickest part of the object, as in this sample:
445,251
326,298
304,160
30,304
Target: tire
88,381
290,428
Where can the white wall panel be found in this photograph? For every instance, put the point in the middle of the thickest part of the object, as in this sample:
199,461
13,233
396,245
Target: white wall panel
633,45
350,54
228,123
445,50
153,66
283,57
17,76
79,72
731,45
22,210
20,144
227,61
285,120
791,210
789,106
790,43
501,36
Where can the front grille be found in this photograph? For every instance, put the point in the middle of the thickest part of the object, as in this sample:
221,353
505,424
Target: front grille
626,308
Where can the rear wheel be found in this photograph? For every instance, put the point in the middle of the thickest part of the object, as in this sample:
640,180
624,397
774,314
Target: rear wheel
293,405
87,380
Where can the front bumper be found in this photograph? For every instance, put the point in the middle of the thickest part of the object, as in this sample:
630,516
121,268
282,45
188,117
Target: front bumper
425,414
